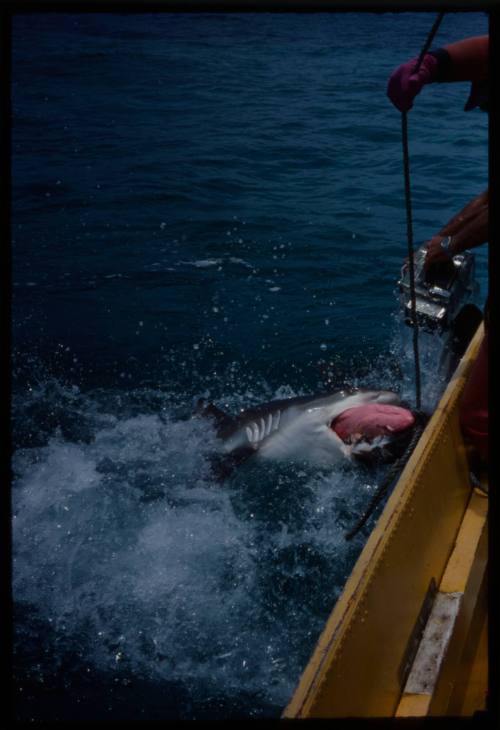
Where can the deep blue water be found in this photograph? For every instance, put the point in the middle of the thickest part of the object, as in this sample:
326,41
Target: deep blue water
203,205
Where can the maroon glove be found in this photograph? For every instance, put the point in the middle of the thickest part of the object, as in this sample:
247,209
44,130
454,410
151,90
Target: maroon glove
404,84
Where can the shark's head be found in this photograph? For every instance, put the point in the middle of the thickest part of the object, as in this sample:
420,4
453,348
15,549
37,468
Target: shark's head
369,425
375,431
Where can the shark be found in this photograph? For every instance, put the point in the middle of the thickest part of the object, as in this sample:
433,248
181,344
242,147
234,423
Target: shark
360,424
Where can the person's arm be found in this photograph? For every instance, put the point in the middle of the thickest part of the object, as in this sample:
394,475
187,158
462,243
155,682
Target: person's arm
467,229
474,208
465,60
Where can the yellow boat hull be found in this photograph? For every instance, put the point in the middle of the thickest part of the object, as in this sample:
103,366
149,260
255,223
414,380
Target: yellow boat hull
407,637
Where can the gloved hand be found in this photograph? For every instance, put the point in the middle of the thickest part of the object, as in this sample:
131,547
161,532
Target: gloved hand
404,85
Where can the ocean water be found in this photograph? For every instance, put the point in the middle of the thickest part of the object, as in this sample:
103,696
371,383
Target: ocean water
203,205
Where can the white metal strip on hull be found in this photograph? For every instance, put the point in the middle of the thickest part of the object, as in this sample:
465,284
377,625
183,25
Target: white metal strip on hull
432,650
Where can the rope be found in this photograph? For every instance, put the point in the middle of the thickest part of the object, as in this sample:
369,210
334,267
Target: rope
409,224
429,40
396,468
390,477
411,263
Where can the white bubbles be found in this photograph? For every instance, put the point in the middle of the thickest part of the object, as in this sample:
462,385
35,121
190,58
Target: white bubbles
199,577
118,557
433,376
60,470
143,562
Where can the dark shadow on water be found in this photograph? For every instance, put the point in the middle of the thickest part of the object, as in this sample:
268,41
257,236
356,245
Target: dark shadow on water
65,688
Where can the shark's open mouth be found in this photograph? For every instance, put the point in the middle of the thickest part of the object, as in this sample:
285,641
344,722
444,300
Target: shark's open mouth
372,422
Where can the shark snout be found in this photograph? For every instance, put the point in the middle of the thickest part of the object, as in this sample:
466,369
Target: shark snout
387,397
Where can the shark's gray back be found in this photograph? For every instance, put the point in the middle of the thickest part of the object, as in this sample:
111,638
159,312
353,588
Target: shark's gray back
275,408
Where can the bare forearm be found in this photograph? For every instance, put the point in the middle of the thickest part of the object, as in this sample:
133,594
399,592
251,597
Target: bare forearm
472,233
467,229
467,60
477,206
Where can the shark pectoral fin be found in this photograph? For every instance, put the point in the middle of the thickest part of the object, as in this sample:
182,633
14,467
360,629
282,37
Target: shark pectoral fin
223,465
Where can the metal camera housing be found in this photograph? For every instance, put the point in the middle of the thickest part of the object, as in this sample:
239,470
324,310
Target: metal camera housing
441,293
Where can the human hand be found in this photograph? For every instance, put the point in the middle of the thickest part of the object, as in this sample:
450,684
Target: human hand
404,84
436,254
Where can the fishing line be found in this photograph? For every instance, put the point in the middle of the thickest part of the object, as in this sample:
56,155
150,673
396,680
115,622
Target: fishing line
409,224
391,476
394,472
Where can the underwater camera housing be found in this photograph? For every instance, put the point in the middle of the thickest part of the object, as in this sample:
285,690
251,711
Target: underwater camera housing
440,293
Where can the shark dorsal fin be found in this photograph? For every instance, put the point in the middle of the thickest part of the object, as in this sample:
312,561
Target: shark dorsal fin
209,410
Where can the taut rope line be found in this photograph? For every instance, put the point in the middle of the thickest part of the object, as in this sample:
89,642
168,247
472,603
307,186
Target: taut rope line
398,465
409,224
